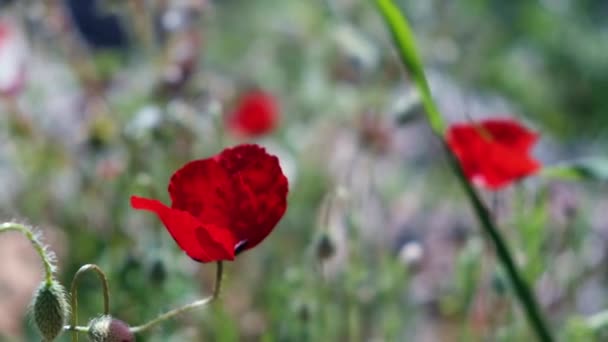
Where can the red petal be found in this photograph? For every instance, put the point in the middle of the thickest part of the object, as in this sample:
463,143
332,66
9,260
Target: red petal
510,133
261,190
201,242
504,166
204,189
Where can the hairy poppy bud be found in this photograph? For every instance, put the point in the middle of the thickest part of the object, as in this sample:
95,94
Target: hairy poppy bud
325,247
50,309
109,329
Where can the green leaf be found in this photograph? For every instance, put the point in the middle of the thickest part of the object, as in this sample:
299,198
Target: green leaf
406,44
594,169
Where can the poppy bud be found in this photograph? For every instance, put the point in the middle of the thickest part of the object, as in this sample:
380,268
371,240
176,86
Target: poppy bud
325,247
109,329
50,309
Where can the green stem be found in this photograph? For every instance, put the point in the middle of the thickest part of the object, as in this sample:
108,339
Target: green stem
404,40
187,307
522,290
406,45
74,296
46,256
78,329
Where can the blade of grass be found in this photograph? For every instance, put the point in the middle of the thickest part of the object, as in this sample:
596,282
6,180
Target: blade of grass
404,40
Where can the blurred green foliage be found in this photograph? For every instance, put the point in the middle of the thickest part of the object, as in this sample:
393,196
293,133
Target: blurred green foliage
329,63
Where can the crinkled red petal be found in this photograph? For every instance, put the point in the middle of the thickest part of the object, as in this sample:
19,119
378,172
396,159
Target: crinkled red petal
261,189
204,189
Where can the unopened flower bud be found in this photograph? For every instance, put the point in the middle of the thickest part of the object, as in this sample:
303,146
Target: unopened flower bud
50,309
109,329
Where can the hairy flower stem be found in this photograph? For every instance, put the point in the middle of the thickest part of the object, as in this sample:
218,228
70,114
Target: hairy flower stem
46,256
196,304
405,43
74,296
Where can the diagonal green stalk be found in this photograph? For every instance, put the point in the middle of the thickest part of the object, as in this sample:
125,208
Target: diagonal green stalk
522,290
404,40
406,45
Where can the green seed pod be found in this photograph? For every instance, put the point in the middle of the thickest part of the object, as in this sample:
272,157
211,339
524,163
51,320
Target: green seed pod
50,309
109,329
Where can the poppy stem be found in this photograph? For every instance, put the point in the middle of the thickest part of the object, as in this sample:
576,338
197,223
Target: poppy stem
522,290
218,279
403,38
196,304
46,255
74,295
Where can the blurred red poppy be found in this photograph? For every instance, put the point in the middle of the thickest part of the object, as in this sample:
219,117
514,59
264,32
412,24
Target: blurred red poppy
256,114
223,205
493,153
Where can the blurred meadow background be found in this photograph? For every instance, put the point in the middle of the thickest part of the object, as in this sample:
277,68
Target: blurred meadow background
105,99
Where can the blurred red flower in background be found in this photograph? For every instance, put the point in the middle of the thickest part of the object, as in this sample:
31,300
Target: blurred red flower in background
495,152
223,205
12,59
256,113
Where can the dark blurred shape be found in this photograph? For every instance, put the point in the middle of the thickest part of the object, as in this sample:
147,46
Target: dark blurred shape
182,57
499,284
100,30
5,2
304,312
158,272
325,247
374,133
129,272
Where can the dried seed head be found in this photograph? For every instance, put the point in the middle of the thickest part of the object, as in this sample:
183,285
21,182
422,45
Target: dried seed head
109,329
50,309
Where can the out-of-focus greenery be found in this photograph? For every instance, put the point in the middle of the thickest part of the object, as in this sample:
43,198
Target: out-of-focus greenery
408,261
547,56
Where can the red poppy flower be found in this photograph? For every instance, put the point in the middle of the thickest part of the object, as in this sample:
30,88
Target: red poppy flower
223,205
256,114
495,152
